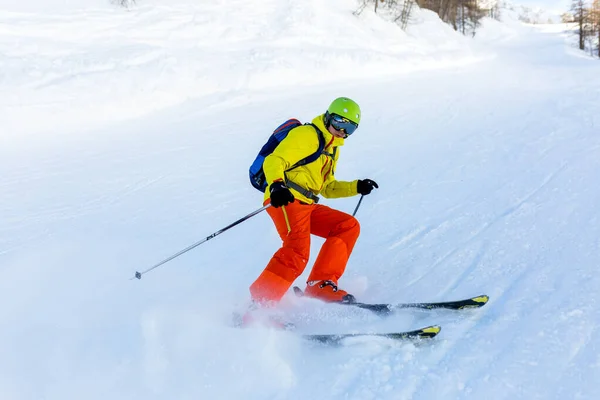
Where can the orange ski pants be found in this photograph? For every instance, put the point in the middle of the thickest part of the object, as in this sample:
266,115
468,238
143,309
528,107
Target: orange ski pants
338,228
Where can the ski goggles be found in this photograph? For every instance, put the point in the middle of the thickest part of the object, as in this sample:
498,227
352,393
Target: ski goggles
343,124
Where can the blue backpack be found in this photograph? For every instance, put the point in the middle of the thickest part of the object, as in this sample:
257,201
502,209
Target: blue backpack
257,175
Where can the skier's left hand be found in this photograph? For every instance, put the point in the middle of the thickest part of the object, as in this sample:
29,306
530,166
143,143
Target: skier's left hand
365,186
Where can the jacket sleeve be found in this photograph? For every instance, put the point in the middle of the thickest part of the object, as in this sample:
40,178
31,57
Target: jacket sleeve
333,188
300,143
337,189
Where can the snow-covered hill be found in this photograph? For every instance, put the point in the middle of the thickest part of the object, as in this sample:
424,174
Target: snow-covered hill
159,56
126,136
531,12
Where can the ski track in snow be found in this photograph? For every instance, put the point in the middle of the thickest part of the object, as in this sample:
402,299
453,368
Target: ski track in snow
488,184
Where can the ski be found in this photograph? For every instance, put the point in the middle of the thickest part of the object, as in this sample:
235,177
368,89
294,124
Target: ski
333,339
386,309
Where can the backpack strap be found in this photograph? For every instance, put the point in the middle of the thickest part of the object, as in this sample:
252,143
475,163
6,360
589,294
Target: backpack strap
305,192
322,138
313,157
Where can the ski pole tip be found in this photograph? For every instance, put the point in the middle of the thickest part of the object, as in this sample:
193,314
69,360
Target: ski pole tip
138,275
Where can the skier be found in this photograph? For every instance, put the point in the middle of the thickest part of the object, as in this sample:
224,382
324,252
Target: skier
296,213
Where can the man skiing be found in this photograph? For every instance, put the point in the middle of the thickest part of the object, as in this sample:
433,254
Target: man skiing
292,192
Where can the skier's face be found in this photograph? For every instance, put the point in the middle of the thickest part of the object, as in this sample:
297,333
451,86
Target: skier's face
340,126
336,133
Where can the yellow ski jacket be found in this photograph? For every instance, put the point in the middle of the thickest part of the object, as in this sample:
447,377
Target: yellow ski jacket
318,176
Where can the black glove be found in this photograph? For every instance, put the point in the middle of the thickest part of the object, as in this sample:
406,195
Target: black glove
280,194
365,186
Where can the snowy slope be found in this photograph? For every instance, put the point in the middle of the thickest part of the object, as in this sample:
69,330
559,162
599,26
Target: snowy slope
159,56
118,153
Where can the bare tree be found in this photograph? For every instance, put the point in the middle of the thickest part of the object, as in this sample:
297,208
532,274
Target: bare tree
475,15
440,7
595,22
361,7
581,18
494,12
364,4
405,11
399,11
463,15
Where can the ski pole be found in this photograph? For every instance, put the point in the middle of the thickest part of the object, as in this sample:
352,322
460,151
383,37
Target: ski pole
239,221
358,205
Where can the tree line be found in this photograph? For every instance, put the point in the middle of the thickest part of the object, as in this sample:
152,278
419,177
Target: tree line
585,16
463,15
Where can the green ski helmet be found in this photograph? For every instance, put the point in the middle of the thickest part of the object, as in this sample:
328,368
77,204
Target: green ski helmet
343,114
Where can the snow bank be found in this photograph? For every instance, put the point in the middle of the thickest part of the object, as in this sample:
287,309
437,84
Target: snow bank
76,68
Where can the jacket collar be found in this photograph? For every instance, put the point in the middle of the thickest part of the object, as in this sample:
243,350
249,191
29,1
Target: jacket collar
318,121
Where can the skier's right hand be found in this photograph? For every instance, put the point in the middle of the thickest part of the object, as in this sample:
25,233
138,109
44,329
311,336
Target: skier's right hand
280,194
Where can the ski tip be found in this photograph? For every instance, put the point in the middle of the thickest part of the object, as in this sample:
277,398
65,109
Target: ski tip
474,302
432,328
482,300
430,331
